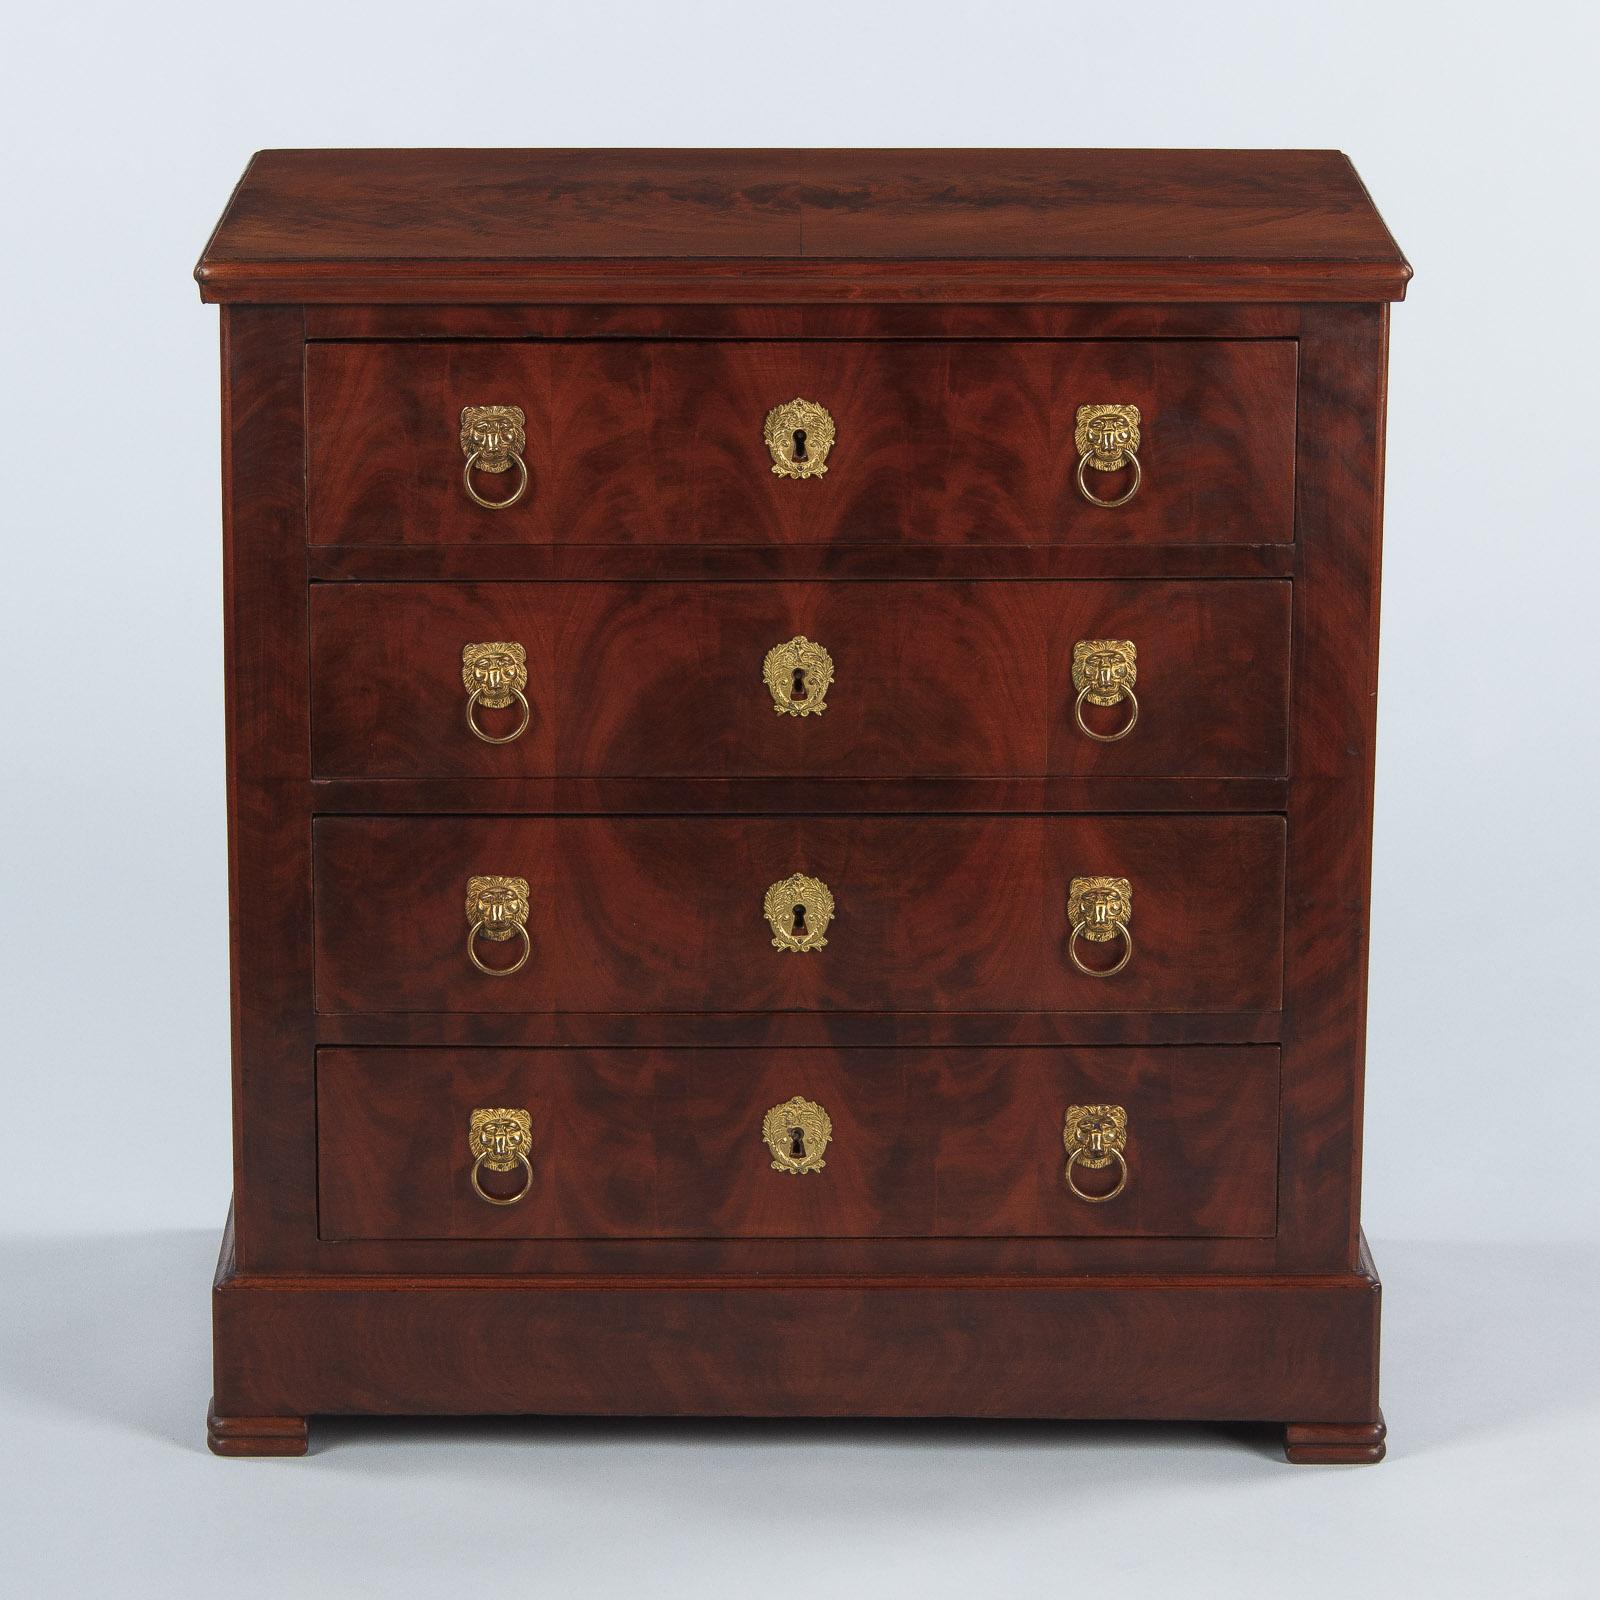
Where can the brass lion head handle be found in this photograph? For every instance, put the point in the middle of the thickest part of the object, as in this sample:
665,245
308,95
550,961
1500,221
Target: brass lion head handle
493,439
1107,438
797,1132
1104,672
498,1139
1095,1137
798,676
497,910
798,910
1100,910
799,435
495,674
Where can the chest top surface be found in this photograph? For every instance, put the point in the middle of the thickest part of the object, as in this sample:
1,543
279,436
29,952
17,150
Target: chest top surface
409,226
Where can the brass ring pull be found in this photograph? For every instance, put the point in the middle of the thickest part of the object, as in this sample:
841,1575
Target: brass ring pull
1106,738
1129,460
522,482
493,439
1095,1136
501,972
1099,910
1093,1199
497,909
1107,439
527,714
1080,928
498,1138
509,1200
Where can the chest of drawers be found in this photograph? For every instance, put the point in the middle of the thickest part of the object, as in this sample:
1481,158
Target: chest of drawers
799,760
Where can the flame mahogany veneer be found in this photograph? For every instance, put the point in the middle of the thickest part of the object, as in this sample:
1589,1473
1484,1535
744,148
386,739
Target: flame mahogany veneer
951,310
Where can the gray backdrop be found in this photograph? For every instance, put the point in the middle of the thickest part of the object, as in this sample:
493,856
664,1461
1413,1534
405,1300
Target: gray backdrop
124,130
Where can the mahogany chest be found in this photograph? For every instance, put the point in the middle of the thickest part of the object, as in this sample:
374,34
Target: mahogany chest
800,735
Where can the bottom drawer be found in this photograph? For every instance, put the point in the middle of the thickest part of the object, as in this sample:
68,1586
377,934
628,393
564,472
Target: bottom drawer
885,1143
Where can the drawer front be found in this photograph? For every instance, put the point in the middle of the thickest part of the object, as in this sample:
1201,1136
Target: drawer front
639,442
917,1143
928,913
913,679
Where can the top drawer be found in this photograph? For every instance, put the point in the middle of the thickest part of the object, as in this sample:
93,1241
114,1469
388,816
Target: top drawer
642,442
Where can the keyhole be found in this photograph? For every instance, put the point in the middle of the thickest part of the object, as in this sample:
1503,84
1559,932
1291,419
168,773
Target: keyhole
797,690
799,444
798,926
797,1143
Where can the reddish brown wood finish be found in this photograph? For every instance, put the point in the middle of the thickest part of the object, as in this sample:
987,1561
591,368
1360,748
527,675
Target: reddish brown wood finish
661,442
1335,1444
820,796
255,1436
663,1144
931,679
1330,802
441,226
964,915
933,913
862,320
269,742
1180,1347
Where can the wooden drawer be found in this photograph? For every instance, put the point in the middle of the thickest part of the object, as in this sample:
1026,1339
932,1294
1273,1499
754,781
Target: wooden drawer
669,1143
648,442
931,913
929,679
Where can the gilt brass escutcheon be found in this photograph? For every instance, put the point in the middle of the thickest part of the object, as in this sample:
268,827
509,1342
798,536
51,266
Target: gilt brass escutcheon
493,439
799,435
1096,1136
498,1139
798,910
797,1132
495,674
798,676
1099,910
1107,438
497,910
1104,672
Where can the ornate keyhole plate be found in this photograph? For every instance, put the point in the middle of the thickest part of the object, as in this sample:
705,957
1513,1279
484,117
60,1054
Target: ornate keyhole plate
799,435
797,1132
798,676
798,911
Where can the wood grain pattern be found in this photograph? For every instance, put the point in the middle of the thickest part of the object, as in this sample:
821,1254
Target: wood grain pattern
442,226
942,679
667,1144
1207,1347
664,914
661,442
770,563
781,796
951,309
1330,803
1135,320
268,751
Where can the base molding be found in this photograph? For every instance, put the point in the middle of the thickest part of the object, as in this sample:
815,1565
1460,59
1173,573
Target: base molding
1335,1444
1139,1348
